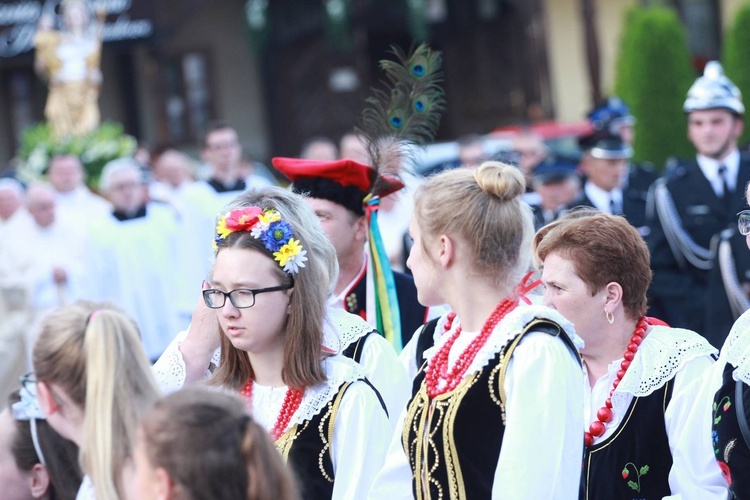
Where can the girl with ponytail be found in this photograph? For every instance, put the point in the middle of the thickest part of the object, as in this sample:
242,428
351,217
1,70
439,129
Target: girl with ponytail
200,443
94,382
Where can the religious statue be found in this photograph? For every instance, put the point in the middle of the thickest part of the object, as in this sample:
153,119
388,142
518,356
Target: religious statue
68,59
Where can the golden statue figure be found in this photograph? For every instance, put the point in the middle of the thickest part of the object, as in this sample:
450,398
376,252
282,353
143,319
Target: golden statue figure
68,59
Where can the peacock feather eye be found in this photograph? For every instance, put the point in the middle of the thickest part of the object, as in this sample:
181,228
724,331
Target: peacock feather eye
418,106
396,121
418,69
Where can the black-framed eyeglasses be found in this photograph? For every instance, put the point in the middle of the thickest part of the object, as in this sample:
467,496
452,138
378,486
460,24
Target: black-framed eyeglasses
241,298
29,382
743,222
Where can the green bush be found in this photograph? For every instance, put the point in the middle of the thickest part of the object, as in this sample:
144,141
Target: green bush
106,143
736,56
653,75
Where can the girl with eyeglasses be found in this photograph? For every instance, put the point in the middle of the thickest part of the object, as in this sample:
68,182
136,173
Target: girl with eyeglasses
94,382
35,461
273,271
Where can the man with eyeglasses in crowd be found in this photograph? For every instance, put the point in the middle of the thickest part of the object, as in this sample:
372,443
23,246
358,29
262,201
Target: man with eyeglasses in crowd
201,202
701,265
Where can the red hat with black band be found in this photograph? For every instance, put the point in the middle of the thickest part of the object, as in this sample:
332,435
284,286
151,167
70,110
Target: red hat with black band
344,182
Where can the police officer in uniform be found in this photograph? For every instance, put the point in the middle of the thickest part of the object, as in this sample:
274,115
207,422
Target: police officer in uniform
605,165
695,255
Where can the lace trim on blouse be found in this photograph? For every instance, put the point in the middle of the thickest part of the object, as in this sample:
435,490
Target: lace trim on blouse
736,350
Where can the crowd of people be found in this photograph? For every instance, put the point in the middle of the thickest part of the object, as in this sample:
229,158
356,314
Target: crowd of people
545,329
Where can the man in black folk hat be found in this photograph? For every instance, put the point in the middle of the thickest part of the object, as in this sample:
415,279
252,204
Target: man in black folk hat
701,269
336,190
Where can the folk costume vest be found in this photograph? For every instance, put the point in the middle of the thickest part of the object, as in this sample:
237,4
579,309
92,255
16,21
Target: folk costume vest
730,446
446,440
634,462
307,445
307,448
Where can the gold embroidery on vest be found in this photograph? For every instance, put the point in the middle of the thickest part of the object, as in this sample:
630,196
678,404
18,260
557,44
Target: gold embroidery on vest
286,440
326,434
425,418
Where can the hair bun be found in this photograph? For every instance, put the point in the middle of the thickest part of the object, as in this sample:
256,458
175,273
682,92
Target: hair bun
501,180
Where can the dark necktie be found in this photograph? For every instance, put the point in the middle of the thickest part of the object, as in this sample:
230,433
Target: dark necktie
614,207
727,195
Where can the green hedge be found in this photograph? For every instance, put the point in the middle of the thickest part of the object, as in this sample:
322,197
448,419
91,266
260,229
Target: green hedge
736,56
653,75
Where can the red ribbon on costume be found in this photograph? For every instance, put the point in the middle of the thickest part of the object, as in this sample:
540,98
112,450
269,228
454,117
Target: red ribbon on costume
525,287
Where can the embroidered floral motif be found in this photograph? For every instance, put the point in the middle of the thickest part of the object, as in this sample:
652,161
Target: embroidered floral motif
724,404
725,472
724,464
638,473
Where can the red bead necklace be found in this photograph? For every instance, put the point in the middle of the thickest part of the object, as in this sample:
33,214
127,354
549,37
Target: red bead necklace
292,401
437,367
604,415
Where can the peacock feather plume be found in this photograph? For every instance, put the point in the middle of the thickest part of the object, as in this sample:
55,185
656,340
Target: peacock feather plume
406,111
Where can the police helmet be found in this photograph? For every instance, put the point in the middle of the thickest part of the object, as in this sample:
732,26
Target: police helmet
714,90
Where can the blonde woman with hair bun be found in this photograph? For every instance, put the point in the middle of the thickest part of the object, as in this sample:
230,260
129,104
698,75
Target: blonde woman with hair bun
495,406
94,382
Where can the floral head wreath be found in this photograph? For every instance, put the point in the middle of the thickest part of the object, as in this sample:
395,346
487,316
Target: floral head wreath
264,224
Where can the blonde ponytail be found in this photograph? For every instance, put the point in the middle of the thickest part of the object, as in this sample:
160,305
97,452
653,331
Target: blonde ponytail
94,353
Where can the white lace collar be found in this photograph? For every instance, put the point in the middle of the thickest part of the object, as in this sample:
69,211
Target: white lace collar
663,352
503,333
338,370
341,329
736,349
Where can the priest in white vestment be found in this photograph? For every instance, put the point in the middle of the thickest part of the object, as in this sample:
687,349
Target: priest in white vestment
15,266
132,256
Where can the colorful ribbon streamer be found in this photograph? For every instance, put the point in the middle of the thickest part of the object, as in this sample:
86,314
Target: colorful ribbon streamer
386,298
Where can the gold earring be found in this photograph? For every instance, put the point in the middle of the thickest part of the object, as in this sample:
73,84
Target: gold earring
610,317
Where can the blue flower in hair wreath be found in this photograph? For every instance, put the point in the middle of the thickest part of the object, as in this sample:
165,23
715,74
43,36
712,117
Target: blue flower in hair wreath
277,235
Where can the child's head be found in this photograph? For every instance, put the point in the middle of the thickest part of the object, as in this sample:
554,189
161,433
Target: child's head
200,443
94,382
35,461
265,239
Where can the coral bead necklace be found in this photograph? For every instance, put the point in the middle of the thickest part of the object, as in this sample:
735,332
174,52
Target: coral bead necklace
604,415
438,378
292,401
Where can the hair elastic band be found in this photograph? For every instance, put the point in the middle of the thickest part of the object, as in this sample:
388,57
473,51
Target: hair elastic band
28,409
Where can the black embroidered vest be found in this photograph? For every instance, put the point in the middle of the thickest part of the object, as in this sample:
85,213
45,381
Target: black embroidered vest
731,450
307,448
634,462
453,442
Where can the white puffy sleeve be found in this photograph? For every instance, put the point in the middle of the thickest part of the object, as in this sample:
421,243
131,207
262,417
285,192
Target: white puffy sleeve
387,374
394,480
543,441
360,441
169,370
695,473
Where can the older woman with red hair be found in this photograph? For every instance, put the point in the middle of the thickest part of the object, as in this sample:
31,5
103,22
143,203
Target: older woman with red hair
595,269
